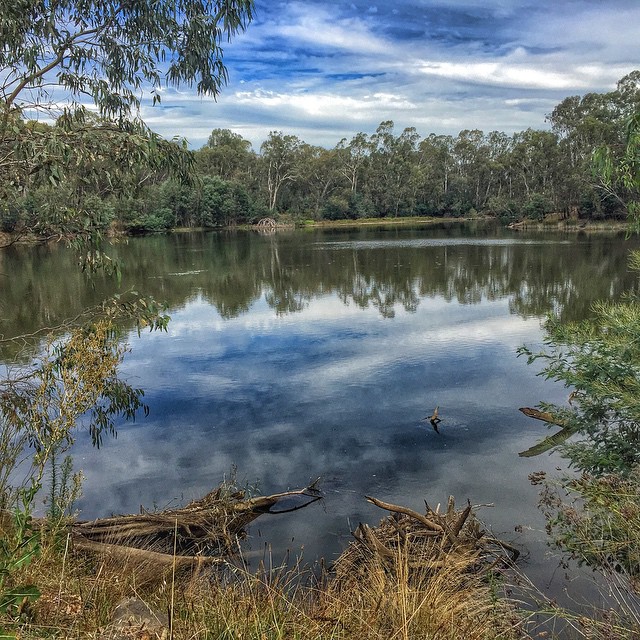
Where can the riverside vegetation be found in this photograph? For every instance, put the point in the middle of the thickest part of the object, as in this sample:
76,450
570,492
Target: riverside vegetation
89,173
121,178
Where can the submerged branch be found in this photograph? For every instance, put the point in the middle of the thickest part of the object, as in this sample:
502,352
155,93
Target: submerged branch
551,441
206,531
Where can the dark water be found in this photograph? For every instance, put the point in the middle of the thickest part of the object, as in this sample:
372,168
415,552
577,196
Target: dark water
316,354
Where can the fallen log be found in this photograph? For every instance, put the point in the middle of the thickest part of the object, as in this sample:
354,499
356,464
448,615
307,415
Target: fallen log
132,554
206,531
551,441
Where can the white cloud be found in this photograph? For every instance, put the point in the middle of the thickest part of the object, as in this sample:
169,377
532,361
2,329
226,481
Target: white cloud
327,70
321,31
503,74
328,105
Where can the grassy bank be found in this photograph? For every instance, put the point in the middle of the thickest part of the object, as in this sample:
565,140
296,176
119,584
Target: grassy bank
434,575
392,600
438,576
364,222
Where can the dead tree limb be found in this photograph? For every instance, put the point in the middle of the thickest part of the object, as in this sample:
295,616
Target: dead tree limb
407,512
545,416
551,441
206,528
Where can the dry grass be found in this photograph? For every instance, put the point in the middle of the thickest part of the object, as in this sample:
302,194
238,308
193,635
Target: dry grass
414,576
80,592
396,600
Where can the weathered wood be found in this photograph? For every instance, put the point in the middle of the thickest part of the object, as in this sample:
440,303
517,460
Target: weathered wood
366,536
209,527
423,544
545,416
126,554
462,518
551,441
407,512
451,506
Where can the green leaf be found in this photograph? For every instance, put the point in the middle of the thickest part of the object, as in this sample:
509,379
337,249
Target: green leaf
18,595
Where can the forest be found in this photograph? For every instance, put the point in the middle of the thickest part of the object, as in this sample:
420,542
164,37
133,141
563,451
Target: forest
93,171
84,162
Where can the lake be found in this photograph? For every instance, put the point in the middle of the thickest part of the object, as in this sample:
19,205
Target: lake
317,353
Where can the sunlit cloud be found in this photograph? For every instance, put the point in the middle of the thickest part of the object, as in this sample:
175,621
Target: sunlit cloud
320,30
503,74
328,105
328,70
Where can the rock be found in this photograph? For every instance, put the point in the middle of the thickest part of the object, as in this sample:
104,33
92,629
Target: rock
134,619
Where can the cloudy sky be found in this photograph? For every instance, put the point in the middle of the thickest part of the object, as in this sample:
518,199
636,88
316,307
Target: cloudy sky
327,69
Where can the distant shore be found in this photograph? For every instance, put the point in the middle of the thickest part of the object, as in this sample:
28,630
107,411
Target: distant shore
568,225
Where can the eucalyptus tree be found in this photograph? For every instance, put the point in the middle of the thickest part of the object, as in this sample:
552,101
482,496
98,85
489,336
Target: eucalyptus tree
226,154
583,123
280,157
112,50
620,172
403,170
471,159
498,150
534,160
435,162
320,178
61,58
392,158
353,157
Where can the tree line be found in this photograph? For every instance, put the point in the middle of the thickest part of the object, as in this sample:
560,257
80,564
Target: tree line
162,185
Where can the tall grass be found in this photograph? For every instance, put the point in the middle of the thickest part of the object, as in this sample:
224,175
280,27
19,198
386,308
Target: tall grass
446,599
392,601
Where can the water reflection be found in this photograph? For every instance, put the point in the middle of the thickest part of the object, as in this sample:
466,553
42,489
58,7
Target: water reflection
313,354
385,269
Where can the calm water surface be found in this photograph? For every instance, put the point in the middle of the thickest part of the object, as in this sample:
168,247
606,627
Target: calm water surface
316,354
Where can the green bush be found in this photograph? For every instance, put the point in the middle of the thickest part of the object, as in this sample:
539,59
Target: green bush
337,208
537,207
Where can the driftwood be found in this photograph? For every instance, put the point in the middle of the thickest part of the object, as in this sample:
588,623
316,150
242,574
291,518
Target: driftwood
205,532
408,512
422,542
545,416
551,441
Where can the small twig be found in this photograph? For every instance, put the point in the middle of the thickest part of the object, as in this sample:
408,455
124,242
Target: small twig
506,546
173,577
300,506
64,564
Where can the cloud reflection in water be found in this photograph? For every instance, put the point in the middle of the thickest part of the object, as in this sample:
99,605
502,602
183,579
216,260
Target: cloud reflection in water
334,391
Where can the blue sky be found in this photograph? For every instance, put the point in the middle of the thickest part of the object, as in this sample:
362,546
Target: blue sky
328,69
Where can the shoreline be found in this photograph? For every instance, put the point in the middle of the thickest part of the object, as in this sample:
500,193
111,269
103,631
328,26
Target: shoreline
8,239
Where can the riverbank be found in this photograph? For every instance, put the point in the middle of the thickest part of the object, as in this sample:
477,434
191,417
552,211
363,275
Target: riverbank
437,575
365,222
568,225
